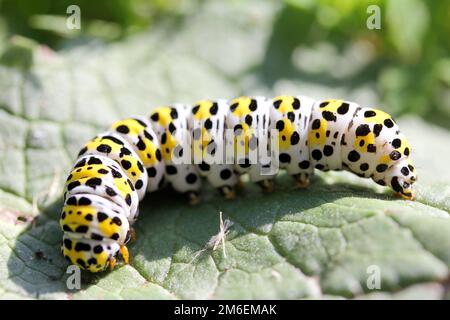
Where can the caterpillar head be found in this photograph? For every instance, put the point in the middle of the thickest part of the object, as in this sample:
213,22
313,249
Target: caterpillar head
91,255
400,178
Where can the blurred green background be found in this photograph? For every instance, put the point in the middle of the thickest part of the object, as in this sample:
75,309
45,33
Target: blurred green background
323,42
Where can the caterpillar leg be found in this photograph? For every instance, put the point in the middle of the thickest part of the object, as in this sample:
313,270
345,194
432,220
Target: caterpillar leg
125,254
267,185
302,180
240,184
132,234
227,192
193,198
112,264
411,196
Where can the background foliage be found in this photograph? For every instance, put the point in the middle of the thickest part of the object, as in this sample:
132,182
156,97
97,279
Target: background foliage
407,60
59,87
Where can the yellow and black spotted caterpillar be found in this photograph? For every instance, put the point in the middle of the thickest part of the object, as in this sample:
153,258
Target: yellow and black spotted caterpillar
139,154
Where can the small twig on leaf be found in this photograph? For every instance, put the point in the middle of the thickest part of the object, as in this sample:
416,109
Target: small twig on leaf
215,240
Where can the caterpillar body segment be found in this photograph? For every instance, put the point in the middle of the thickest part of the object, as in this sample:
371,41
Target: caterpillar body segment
115,147
290,116
207,124
330,126
180,144
171,127
94,217
90,255
249,118
101,176
138,133
94,230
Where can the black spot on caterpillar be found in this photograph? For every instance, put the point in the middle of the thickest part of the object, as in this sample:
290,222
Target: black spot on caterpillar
140,154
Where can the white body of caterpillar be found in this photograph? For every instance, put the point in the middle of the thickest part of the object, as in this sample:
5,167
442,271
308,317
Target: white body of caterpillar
142,154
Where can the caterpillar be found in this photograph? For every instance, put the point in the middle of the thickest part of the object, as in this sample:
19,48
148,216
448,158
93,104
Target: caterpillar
136,155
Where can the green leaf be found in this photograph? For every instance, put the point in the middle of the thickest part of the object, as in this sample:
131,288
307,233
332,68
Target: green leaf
407,23
313,243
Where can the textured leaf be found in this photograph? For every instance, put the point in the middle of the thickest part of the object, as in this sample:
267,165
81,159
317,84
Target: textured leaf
314,243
